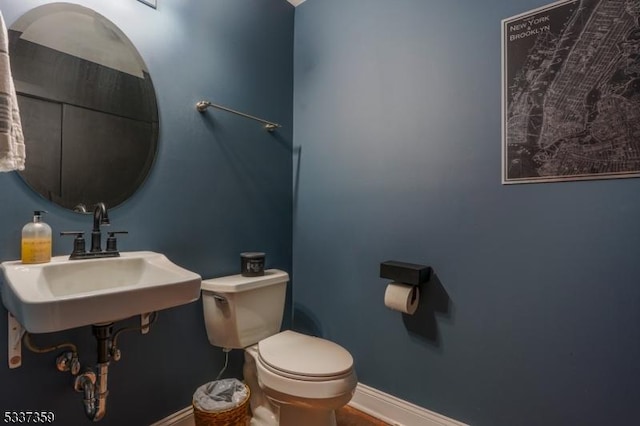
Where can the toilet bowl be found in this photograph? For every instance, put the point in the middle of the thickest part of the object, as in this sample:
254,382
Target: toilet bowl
294,379
308,378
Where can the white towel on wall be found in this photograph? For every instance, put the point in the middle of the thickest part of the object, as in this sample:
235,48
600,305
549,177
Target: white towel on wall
12,153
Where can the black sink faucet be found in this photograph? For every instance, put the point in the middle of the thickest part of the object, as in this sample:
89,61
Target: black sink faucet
100,217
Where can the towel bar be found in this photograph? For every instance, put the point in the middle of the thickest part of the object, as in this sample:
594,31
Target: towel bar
201,106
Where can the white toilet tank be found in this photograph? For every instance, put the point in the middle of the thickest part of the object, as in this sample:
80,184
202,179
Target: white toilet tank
240,311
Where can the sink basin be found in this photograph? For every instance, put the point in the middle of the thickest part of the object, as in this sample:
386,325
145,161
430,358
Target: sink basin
65,293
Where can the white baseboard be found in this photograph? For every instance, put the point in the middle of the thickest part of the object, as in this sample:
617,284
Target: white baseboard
376,403
396,411
183,417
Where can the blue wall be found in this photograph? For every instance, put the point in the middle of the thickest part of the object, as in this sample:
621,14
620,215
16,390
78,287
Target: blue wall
534,315
220,185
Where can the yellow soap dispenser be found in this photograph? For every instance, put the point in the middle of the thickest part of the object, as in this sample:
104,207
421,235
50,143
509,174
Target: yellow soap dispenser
36,240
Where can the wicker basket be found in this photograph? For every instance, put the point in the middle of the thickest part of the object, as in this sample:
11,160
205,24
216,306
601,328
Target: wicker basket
237,416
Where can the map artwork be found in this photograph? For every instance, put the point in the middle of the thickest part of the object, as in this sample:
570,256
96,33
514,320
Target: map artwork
571,92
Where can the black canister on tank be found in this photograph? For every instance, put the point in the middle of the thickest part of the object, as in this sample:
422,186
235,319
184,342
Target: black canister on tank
252,264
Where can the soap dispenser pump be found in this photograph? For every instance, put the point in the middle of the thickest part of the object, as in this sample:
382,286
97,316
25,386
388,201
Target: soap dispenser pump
36,240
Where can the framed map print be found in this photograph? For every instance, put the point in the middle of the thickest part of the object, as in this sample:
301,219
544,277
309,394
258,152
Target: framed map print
571,92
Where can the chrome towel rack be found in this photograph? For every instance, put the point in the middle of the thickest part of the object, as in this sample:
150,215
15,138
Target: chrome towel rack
269,126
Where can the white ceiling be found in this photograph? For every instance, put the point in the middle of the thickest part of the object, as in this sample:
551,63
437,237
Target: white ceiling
295,2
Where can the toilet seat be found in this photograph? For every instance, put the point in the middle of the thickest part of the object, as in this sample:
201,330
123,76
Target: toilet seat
302,387
301,357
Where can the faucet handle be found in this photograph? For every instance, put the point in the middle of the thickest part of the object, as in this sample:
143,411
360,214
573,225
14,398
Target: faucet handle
79,246
112,242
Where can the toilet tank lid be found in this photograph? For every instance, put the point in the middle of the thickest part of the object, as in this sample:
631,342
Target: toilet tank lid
304,355
237,283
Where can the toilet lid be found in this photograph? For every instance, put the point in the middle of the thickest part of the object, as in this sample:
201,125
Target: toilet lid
302,355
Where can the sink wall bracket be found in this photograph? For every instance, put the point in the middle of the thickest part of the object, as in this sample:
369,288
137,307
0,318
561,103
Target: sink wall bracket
14,341
145,322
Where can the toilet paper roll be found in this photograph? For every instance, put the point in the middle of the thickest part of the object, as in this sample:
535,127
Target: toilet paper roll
402,297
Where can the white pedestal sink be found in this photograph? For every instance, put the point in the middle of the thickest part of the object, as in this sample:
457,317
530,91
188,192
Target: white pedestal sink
65,293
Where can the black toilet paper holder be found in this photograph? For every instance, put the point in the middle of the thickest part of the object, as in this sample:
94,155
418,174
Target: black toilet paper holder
406,273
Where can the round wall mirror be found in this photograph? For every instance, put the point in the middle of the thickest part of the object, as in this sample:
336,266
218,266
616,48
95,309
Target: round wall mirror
87,104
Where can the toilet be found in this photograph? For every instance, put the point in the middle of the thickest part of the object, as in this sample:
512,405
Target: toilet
295,379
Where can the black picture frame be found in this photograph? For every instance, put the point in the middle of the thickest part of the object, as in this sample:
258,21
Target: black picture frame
570,92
